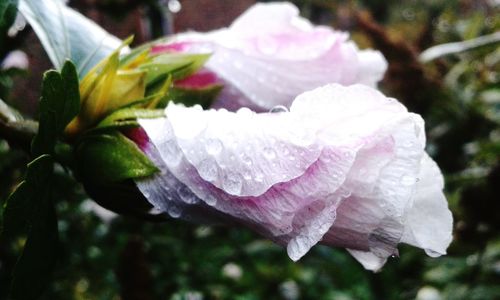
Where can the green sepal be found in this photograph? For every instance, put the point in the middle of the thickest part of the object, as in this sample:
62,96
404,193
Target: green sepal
179,65
111,157
59,104
129,116
134,58
190,97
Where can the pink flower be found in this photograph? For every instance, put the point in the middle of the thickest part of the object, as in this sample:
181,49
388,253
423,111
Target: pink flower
269,55
344,167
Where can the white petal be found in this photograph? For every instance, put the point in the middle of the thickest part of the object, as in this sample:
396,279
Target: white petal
429,222
270,55
243,153
356,159
369,260
372,66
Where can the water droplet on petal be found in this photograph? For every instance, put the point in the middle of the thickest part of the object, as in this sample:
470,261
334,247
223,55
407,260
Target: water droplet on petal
186,195
432,253
259,177
232,183
407,180
211,200
174,211
213,146
247,175
246,159
278,109
208,170
269,153
244,111
171,152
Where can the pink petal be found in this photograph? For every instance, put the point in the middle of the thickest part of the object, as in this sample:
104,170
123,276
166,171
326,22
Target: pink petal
270,55
170,47
199,80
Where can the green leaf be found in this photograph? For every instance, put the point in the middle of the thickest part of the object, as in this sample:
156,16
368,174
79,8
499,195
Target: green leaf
438,51
66,34
18,205
111,158
29,208
8,11
59,104
71,104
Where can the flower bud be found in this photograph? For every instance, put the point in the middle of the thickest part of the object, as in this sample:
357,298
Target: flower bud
139,79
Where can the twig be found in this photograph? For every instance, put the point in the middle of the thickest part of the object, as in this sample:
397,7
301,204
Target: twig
14,129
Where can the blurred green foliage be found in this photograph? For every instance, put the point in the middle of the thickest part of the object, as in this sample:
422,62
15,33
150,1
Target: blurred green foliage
104,257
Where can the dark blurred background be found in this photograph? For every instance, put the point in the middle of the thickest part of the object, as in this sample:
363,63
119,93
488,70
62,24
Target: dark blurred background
111,257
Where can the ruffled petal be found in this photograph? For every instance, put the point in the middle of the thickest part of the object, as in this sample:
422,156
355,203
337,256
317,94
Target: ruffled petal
429,222
344,170
270,55
242,153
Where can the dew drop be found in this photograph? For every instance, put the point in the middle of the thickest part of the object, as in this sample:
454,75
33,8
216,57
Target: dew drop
278,109
208,169
246,159
408,144
259,177
244,111
211,200
174,211
172,153
407,180
186,195
213,146
269,153
232,183
432,253
247,175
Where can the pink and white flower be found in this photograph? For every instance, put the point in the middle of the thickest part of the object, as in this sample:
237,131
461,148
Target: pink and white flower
270,54
345,166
